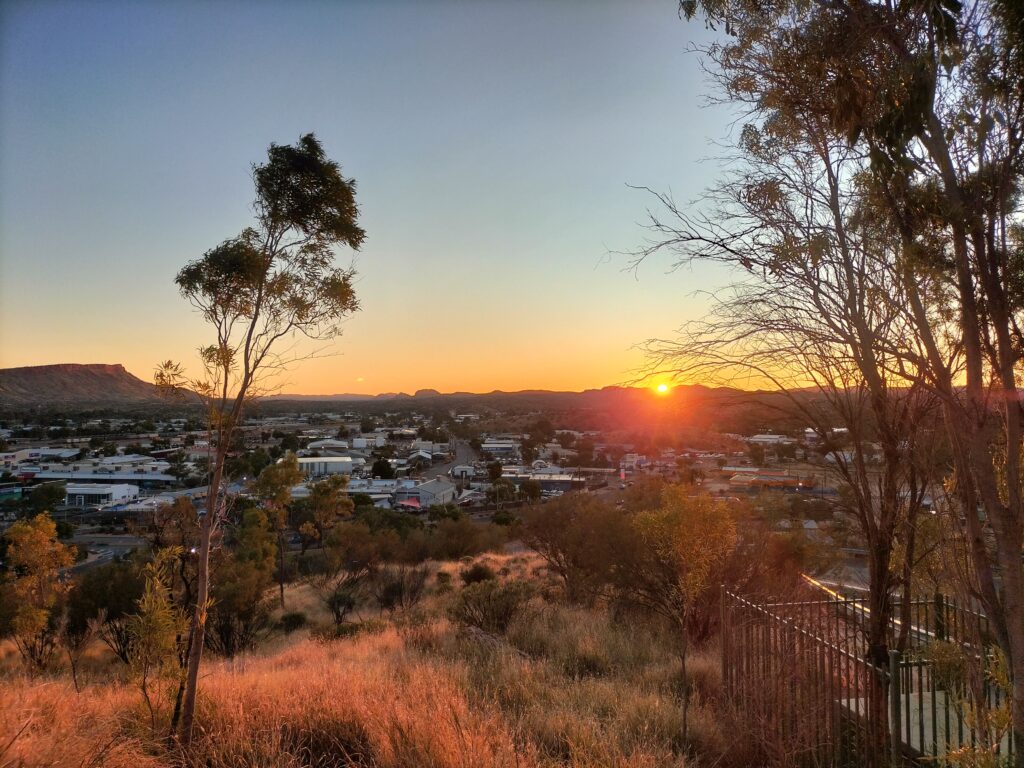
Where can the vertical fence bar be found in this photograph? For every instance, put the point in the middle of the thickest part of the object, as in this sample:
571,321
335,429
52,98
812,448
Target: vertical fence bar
723,631
895,731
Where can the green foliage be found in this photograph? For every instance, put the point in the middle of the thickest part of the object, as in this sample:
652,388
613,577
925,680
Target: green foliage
46,498
239,614
579,536
452,539
530,490
437,512
503,517
382,468
501,490
967,681
377,519
110,590
157,630
361,500
342,600
292,621
33,587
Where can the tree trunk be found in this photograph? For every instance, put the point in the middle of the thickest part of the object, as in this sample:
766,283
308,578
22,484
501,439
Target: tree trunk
280,546
1010,553
880,606
683,650
197,633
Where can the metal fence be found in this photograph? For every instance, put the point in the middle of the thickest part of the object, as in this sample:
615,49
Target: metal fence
799,674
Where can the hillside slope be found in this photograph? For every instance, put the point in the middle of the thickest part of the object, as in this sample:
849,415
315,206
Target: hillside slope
73,384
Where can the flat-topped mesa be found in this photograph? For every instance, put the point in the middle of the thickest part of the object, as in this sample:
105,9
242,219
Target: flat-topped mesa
73,383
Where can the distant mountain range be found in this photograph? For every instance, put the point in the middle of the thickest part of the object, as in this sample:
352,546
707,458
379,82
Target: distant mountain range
75,387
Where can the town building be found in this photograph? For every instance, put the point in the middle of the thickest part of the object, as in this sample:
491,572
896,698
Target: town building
98,495
322,466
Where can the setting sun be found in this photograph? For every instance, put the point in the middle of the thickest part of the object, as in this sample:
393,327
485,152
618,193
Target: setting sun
662,389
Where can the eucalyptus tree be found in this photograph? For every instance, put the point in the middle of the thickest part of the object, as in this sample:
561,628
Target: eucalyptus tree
809,314
260,292
931,93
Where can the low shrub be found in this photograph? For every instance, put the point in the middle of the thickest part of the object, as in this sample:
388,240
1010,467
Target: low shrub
490,605
476,573
292,621
400,588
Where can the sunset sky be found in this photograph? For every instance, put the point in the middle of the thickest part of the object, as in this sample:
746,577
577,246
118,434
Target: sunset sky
492,144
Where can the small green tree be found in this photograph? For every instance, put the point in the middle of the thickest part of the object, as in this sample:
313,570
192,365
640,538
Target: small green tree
239,614
45,497
273,283
577,535
34,585
328,504
675,553
530,490
501,490
156,630
274,486
382,468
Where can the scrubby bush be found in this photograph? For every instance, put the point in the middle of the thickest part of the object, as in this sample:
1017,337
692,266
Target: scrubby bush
400,588
476,573
292,621
490,605
341,602
443,580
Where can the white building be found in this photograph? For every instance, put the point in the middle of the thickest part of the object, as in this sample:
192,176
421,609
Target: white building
501,448
769,440
329,444
370,441
428,494
94,494
320,466
464,471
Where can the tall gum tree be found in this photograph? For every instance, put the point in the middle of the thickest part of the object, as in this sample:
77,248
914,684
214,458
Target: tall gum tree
259,292
808,316
932,92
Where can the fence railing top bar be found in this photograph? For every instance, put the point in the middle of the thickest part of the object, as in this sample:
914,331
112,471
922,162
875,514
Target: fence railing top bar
853,657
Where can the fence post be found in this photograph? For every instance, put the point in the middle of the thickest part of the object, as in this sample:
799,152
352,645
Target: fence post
724,641
895,729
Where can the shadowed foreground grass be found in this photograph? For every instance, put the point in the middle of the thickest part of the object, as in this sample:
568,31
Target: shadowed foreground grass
564,687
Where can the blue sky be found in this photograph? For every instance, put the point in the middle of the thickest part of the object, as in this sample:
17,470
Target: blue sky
492,144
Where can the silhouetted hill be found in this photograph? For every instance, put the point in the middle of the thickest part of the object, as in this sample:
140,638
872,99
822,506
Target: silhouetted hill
71,387
616,408
72,384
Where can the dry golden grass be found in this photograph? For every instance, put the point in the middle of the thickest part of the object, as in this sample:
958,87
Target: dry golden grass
566,687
